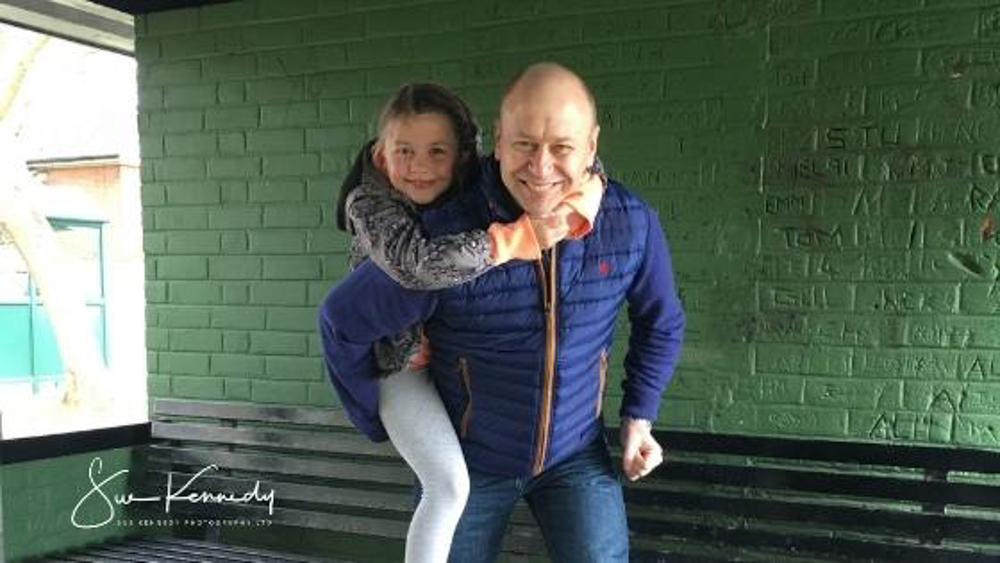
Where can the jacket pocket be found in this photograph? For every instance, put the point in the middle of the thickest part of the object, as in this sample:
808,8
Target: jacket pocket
463,373
602,379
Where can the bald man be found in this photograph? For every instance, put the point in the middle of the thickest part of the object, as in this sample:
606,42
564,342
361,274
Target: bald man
519,355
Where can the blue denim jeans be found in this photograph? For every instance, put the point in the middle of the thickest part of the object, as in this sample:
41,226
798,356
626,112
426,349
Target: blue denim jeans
578,505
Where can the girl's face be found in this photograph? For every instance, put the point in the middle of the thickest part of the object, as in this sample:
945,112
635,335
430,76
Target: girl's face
419,154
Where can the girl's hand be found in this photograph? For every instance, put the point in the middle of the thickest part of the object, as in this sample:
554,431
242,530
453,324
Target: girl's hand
552,228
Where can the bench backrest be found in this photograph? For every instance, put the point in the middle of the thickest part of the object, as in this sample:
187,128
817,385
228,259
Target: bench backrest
323,473
823,499
719,496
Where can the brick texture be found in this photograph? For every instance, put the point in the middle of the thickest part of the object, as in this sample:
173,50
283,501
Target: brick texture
44,493
826,172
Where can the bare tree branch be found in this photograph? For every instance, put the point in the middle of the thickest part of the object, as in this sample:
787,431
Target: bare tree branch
63,297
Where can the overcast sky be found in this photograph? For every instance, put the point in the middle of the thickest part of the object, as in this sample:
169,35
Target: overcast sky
76,101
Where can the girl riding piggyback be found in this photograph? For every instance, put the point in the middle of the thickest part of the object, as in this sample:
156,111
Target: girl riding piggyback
428,147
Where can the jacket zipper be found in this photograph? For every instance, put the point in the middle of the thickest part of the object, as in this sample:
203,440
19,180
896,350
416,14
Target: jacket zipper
550,294
602,375
463,371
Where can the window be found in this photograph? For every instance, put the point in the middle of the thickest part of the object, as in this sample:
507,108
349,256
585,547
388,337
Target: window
30,364
83,153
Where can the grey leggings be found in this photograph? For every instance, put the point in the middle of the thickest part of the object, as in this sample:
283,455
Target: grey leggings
419,427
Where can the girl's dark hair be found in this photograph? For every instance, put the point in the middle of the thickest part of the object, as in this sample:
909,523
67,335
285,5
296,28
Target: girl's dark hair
426,97
415,99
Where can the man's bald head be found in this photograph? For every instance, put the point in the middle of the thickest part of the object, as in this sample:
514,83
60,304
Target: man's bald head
547,77
546,136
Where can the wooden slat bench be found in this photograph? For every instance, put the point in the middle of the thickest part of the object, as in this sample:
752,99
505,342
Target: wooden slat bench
746,497
323,473
718,498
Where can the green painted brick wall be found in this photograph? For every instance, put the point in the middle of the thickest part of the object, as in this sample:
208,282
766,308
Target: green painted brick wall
37,499
826,171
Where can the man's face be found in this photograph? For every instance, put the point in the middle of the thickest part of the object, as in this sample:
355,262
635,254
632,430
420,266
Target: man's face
544,146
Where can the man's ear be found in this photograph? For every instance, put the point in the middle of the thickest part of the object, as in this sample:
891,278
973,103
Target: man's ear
592,142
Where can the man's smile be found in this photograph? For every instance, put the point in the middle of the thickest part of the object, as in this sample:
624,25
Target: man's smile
539,186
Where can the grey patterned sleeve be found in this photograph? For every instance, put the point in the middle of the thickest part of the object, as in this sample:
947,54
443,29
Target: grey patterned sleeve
386,225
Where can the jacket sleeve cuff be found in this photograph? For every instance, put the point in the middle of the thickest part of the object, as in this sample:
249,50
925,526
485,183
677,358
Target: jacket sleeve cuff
634,409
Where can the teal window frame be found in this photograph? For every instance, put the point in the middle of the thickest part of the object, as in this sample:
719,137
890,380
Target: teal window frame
46,366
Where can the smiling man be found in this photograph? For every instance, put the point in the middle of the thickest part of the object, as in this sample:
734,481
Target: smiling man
519,355
546,137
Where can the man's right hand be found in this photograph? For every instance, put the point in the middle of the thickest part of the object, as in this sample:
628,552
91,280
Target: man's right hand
641,453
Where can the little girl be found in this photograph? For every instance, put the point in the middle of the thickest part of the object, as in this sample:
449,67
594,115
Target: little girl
428,147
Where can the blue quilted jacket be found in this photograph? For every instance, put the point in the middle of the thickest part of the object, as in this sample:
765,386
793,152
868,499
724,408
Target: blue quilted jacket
519,354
